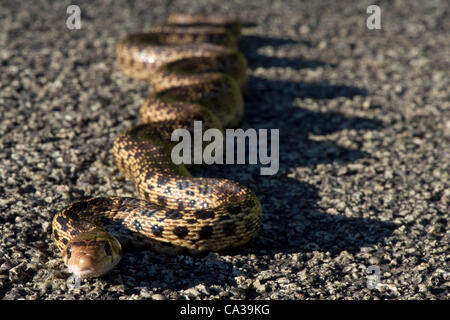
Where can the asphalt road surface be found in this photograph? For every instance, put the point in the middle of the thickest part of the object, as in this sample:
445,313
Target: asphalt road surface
364,149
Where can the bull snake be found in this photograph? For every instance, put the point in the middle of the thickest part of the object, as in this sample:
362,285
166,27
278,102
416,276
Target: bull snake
195,73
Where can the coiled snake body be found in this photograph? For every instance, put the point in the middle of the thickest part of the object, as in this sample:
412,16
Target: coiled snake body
195,73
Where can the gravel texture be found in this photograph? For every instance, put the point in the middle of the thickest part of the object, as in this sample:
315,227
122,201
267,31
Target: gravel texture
364,149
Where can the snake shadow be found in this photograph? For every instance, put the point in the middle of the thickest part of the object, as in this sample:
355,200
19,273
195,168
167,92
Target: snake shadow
292,220
251,44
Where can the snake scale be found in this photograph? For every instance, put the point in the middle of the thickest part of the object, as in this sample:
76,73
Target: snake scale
195,73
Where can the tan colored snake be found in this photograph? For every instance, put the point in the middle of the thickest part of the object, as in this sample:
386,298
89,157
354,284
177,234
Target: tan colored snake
195,73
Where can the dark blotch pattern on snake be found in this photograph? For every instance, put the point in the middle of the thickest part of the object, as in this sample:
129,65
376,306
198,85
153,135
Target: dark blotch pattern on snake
195,73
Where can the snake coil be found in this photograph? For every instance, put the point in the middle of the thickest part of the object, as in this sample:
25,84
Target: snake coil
195,73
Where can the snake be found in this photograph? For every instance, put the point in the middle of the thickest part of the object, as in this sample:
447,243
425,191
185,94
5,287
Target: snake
195,73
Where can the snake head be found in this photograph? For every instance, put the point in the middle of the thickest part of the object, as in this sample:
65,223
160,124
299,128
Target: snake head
92,254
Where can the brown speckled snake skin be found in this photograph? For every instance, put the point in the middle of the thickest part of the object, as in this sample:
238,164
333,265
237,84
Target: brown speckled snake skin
195,73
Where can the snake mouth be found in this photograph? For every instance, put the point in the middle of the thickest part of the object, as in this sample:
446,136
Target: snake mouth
98,269
87,266
87,273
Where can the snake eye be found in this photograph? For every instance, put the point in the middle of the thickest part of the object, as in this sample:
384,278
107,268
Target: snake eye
69,252
108,249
